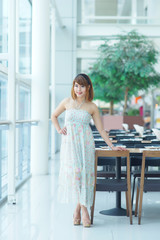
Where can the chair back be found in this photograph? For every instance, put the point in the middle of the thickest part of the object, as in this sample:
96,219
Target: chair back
125,126
157,133
146,154
114,184
146,185
139,129
111,153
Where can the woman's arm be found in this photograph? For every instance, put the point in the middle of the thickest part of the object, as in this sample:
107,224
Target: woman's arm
60,109
101,130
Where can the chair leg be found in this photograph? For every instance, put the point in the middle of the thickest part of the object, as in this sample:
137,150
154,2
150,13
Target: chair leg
127,204
92,213
133,190
140,206
92,207
137,198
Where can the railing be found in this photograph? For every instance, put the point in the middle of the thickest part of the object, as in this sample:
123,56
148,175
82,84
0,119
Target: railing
118,19
22,161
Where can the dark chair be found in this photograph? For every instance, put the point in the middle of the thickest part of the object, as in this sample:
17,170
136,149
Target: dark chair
93,127
137,161
116,131
150,137
146,185
119,137
113,184
108,164
128,144
96,136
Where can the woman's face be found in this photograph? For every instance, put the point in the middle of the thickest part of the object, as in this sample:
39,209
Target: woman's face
80,90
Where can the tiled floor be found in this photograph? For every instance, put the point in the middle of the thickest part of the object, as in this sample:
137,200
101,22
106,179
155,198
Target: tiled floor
38,216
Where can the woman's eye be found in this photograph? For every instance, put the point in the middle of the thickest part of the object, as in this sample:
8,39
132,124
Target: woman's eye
76,85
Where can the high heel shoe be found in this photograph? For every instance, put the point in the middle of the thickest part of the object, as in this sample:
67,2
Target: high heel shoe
86,222
76,221
85,217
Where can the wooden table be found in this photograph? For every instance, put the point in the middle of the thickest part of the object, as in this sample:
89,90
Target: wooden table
102,152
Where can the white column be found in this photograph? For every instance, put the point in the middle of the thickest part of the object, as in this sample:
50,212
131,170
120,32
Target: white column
40,85
11,99
65,54
53,78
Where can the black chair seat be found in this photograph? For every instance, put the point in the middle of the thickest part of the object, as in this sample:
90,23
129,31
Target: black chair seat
110,174
111,185
137,160
123,137
149,137
103,161
150,185
96,136
149,174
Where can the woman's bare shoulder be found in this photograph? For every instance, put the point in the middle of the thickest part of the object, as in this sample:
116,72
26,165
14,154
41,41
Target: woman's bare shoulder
93,107
66,100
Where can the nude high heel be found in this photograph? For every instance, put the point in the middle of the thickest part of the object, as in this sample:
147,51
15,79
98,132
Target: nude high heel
76,221
86,222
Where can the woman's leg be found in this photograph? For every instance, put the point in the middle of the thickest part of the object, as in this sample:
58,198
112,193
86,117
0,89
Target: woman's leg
77,215
85,217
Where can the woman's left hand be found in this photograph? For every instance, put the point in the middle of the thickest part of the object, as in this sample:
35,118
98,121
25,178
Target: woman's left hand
119,148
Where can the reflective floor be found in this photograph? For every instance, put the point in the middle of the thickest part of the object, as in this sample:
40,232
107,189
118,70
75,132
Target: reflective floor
38,216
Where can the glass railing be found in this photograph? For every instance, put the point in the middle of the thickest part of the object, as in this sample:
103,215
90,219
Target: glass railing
23,149
121,20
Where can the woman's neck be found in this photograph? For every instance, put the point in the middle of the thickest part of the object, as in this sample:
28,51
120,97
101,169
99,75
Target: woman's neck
80,100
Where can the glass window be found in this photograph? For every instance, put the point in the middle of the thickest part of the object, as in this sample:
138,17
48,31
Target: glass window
3,137
86,65
23,139
107,8
3,26
24,102
50,125
3,162
3,97
23,133
25,36
119,11
92,44
4,63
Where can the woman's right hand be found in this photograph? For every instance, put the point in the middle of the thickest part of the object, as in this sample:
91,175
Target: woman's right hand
63,131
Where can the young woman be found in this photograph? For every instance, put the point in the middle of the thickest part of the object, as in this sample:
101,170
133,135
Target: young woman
76,178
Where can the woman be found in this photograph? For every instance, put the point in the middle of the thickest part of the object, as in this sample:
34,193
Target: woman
76,178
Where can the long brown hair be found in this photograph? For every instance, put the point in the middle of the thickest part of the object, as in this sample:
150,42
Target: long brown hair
83,79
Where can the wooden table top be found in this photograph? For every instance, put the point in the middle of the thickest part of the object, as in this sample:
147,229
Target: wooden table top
115,141
131,150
